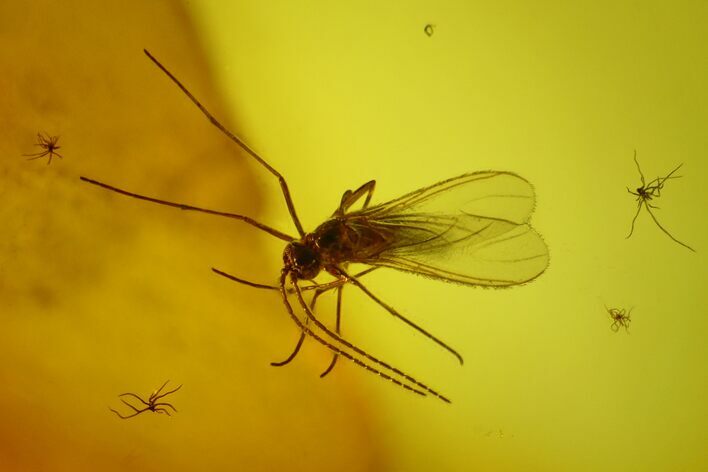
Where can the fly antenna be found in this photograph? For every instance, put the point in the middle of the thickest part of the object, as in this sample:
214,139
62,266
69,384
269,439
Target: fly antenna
182,206
237,140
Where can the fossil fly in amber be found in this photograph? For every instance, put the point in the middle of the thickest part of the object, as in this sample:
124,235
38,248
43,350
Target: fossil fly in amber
472,229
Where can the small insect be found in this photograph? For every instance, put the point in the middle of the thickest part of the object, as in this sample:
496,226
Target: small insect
49,146
472,230
646,193
151,404
620,318
429,29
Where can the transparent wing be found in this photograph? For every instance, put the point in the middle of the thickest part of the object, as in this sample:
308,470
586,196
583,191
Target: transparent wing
472,229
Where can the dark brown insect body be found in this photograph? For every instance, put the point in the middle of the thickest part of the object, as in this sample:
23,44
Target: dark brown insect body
335,242
472,229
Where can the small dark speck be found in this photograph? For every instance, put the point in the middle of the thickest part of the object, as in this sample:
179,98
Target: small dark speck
429,29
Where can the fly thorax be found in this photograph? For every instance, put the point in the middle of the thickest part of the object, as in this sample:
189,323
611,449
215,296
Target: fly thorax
302,259
333,241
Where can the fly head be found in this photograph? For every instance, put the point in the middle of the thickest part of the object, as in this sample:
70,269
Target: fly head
302,259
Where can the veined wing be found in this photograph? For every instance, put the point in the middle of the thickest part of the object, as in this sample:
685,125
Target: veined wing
472,229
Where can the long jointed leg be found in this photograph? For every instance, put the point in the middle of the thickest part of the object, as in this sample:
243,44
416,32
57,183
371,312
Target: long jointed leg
419,388
639,208
651,213
319,291
395,313
302,333
337,330
151,404
336,349
349,197
235,139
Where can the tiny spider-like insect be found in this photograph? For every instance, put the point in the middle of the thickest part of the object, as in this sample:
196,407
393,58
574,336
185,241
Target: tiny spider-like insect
649,191
429,29
472,229
151,404
49,146
620,318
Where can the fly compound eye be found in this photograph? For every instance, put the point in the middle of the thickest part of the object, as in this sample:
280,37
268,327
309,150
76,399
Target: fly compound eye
302,260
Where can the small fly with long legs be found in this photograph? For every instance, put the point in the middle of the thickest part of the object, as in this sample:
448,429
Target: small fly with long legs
649,191
472,229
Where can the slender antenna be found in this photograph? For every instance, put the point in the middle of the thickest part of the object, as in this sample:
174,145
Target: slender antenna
182,206
234,138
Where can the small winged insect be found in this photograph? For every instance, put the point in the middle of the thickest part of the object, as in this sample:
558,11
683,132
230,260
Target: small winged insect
152,403
472,230
648,192
620,318
49,147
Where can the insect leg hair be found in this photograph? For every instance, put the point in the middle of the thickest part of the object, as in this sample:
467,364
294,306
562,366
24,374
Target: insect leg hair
395,313
349,345
332,347
235,139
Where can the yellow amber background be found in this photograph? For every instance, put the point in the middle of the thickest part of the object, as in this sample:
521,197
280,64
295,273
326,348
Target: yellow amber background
100,294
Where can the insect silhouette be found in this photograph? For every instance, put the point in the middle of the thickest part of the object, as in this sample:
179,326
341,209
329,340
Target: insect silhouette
49,146
152,403
648,192
472,229
620,318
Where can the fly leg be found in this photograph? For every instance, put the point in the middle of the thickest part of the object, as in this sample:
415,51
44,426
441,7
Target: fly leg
350,198
335,356
292,355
